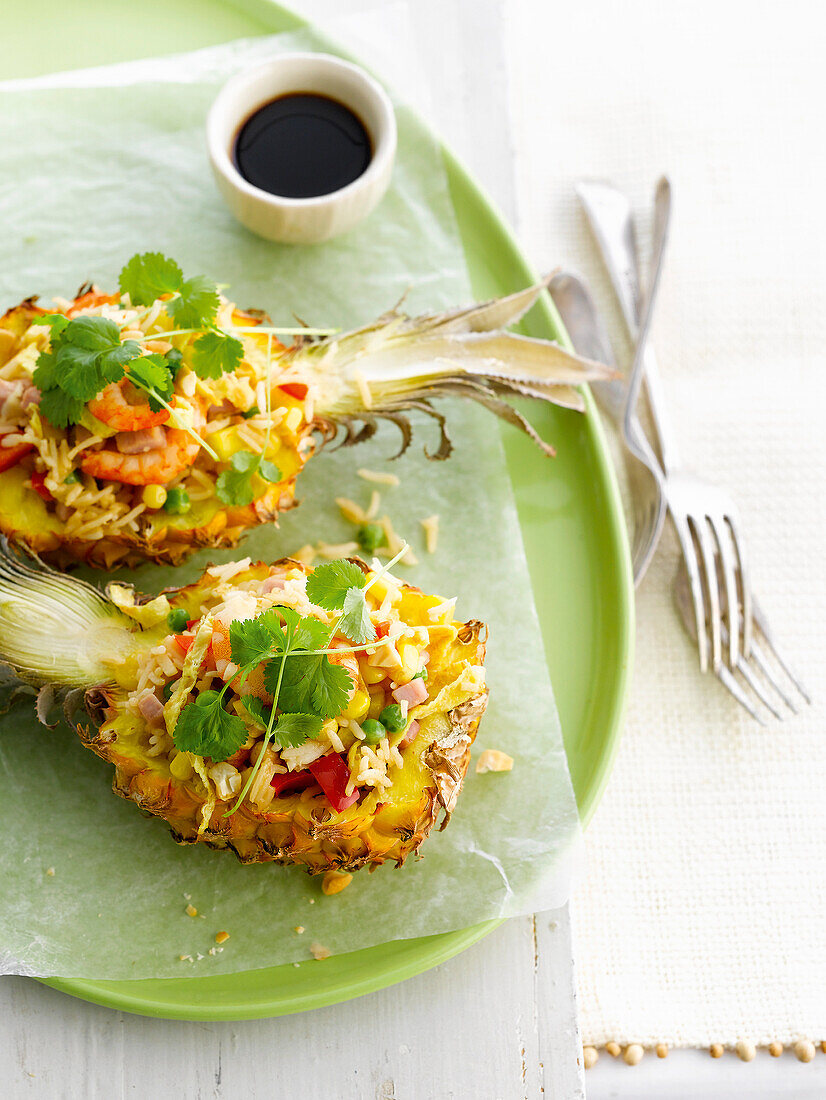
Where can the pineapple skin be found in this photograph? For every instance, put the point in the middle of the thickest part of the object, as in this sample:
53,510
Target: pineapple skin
310,833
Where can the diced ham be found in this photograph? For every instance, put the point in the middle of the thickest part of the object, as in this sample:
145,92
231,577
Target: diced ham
24,393
273,584
30,396
151,708
413,693
410,734
137,443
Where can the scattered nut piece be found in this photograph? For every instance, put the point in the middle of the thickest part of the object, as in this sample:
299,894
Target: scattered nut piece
335,881
804,1050
492,760
186,958
613,1049
633,1054
776,1049
319,951
715,1050
590,1056
191,911
50,872
745,1050
431,533
222,937
662,1050
299,928
378,478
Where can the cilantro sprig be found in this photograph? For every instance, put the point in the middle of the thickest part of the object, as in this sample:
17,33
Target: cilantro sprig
307,687
192,304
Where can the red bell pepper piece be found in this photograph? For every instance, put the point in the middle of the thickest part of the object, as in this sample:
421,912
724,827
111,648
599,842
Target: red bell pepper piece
38,481
291,781
332,774
295,389
184,642
191,623
10,456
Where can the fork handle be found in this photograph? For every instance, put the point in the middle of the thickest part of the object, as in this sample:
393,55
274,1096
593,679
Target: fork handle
609,214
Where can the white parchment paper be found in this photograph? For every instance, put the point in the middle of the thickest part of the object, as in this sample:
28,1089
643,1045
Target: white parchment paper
95,166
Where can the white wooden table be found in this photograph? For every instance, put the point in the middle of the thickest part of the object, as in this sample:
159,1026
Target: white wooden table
498,1021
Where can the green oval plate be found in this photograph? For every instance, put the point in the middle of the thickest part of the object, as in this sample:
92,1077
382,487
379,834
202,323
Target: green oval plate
576,545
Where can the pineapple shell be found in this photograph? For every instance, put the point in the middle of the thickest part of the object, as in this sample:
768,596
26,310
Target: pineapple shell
308,831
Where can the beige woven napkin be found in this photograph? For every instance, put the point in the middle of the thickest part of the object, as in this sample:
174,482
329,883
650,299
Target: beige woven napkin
702,912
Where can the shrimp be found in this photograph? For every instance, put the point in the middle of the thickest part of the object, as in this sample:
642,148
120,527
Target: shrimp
92,297
112,407
175,451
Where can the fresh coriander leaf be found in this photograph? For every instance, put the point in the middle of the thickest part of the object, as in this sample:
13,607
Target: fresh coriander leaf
150,372
234,486
331,687
197,305
206,729
250,413
328,584
214,353
93,333
268,470
112,361
46,374
251,642
309,684
355,621
174,361
311,634
60,408
56,322
149,275
257,710
77,371
292,730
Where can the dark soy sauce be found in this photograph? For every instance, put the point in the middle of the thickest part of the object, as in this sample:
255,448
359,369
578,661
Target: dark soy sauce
302,145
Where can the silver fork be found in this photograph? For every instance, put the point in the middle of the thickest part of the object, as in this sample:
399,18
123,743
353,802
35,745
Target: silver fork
714,583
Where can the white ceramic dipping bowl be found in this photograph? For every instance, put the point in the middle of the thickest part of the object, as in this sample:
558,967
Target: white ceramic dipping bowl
301,221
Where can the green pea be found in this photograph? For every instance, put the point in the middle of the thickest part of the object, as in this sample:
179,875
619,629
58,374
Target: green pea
370,537
177,619
177,502
373,731
392,718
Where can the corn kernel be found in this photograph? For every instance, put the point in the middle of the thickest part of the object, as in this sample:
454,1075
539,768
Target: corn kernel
181,766
154,496
376,704
358,705
222,937
372,675
335,881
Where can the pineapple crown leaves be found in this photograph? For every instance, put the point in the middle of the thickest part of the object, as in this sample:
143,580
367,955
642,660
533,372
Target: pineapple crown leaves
306,685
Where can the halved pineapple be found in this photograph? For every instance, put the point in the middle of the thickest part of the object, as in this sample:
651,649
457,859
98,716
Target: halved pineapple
367,788
110,478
